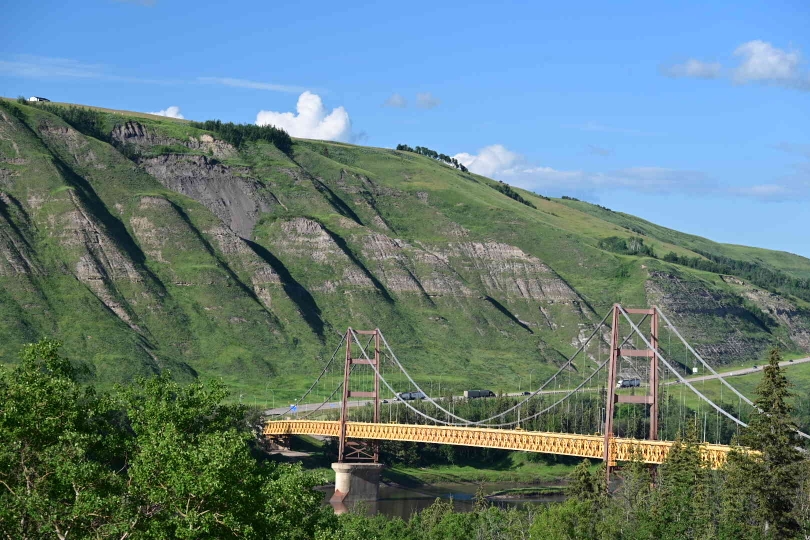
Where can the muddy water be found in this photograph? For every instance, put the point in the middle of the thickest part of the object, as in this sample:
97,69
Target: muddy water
402,501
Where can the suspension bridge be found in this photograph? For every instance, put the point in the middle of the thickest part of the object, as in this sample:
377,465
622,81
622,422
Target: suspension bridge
625,394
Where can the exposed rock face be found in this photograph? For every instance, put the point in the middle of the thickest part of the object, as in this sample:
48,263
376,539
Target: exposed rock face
235,199
503,270
9,150
151,238
507,270
704,315
262,276
76,144
785,312
392,262
307,239
137,134
101,263
16,255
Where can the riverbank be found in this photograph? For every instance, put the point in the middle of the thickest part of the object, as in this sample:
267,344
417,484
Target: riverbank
523,468
516,467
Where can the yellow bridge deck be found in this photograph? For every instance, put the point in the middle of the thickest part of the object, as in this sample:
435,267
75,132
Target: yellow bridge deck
588,446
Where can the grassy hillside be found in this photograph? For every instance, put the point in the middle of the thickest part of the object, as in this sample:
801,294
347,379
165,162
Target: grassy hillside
146,244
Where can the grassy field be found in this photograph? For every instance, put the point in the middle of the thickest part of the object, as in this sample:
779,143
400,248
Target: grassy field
515,468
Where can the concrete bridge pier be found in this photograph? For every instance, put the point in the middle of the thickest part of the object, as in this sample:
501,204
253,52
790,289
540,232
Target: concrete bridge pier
355,482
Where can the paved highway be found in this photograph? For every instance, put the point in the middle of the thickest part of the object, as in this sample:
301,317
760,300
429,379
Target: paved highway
743,371
335,405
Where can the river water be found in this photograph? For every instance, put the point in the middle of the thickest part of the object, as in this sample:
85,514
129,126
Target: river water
399,501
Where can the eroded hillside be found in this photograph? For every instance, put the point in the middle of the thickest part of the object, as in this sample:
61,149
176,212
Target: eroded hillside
154,245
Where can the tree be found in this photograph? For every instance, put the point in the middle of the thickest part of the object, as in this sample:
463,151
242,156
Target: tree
585,485
682,506
191,473
157,460
772,431
57,451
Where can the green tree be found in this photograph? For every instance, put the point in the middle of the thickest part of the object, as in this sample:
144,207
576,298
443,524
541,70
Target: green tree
191,473
159,460
57,451
775,473
682,506
571,520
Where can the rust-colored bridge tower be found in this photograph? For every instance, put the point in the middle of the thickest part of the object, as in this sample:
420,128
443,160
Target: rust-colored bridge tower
352,450
650,398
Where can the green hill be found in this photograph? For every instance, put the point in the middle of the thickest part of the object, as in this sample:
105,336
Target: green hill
145,244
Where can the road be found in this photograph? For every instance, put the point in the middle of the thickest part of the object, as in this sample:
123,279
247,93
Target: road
335,405
738,372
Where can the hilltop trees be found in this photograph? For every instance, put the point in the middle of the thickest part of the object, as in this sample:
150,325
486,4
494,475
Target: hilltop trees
240,134
424,151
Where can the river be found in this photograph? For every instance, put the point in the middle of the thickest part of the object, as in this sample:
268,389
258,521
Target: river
400,501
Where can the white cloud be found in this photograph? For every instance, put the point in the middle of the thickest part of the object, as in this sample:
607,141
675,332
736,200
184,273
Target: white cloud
171,112
26,65
426,100
396,100
697,69
764,62
500,163
490,161
496,161
44,67
254,85
764,191
312,120
759,62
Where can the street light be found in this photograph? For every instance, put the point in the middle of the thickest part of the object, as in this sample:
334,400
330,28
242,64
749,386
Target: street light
272,393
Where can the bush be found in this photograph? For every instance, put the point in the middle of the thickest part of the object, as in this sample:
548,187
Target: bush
626,246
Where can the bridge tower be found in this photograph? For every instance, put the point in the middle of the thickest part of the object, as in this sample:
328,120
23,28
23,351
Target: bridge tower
357,471
651,396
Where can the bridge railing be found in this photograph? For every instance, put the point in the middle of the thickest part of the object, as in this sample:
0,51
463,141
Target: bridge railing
586,446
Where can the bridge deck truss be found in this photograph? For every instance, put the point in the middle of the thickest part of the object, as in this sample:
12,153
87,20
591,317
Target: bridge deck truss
588,446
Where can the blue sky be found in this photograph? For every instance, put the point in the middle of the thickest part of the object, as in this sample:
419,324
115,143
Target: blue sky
696,117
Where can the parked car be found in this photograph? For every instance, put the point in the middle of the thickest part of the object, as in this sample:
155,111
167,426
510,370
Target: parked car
628,383
527,393
471,394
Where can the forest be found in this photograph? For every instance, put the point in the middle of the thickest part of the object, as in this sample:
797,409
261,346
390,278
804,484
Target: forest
156,459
